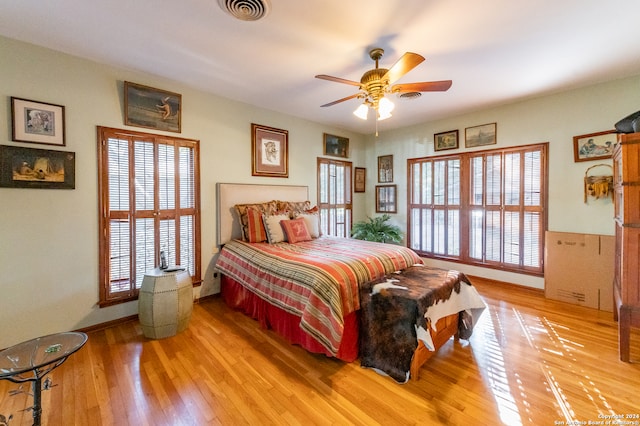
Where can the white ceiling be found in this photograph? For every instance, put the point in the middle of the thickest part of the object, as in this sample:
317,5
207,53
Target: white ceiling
495,51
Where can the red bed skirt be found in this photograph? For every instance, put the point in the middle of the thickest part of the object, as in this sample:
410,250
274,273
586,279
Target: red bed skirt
288,325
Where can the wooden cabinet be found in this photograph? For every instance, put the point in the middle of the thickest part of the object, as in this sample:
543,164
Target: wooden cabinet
626,179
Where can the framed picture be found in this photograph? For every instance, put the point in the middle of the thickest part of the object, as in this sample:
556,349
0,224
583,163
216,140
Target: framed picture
36,168
37,122
359,179
385,168
152,108
269,151
594,146
445,140
480,135
335,146
386,198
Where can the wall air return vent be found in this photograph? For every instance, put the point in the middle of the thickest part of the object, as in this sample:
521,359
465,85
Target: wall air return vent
246,10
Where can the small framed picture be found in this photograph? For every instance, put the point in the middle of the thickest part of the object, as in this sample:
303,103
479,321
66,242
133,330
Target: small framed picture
484,134
359,179
36,168
386,196
152,108
385,168
37,122
594,146
269,151
335,146
445,140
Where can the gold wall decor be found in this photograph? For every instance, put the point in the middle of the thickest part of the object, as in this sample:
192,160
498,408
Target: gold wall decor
598,186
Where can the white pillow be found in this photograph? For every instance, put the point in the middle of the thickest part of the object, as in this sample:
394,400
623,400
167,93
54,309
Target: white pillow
275,233
313,223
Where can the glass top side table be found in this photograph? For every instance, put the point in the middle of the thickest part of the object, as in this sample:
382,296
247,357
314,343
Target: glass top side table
30,361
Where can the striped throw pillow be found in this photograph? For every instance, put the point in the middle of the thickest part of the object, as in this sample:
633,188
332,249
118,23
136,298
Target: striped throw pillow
255,227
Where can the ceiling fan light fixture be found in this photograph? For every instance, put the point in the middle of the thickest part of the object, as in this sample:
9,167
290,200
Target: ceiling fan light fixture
376,83
383,115
385,106
361,112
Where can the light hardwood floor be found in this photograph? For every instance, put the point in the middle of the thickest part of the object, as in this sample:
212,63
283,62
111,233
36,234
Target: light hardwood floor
530,361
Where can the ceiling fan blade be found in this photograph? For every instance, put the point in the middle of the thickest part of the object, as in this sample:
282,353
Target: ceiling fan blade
406,63
425,86
341,100
338,80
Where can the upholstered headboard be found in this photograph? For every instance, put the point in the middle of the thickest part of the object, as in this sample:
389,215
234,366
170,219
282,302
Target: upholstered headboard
230,194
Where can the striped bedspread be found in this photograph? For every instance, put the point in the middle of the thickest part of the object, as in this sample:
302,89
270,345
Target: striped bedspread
316,280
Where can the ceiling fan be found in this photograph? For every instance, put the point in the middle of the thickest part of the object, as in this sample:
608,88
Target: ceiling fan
377,82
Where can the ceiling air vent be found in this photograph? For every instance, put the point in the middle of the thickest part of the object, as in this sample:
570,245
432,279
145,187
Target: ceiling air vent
246,10
410,95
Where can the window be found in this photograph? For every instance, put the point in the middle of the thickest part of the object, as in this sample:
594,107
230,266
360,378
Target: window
334,196
486,208
149,196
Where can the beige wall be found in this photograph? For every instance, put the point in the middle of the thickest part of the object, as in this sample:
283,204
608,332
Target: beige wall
48,238
554,119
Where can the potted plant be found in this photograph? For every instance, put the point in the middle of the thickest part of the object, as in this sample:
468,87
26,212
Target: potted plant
377,229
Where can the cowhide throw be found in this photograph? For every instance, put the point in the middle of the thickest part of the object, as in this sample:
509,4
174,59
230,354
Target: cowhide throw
392,307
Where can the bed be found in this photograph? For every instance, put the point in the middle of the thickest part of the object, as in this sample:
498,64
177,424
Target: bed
310,292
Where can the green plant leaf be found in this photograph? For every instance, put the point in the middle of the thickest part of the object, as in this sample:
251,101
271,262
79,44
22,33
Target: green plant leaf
377,229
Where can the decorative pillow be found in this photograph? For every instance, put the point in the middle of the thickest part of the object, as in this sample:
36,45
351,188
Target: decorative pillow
296,230
268,207
312,220
275,234
293,206
255,226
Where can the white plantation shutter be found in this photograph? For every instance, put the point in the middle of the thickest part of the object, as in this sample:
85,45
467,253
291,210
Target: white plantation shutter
435,215
532,181
512,181
144,172
145,244
511,232
512,209
187,243
493,181
532,247
118,196
499,222
533,217
187,177
493,234
186,169
118,172
167,177
149,202
168,241
120,256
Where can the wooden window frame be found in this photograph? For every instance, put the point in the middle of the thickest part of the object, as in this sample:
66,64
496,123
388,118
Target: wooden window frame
466,206
106,296
329,226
